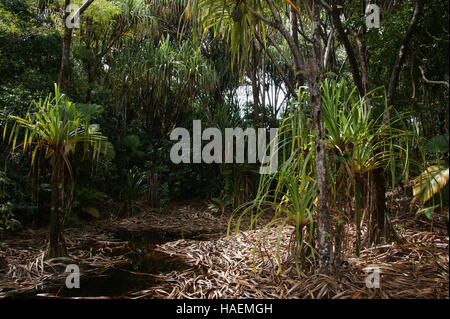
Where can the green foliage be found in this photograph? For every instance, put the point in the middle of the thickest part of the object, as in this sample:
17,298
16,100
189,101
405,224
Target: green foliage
239,183
431,185
136,187
161,80
358,139
438,145
103,11
220,204
89,201
234,22
427,212
133,144
52,130
130,57
164,195
55,128
29,54
7,221
220,17
357,143
288,195
429,49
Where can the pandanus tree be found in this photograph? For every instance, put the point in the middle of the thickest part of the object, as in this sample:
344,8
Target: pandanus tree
359,143
356,143
54,128
248,24
311,31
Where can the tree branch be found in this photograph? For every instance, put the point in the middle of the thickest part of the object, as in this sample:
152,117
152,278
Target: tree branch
403,51
354,66
431,81
84,7
289,39
262,18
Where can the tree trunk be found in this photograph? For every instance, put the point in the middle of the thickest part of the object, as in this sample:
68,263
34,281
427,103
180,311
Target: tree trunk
323,214
153,189
64,71
323,217
255,85
57,245
354,65
378,214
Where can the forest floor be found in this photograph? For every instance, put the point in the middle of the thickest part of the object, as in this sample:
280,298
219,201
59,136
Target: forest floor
185,253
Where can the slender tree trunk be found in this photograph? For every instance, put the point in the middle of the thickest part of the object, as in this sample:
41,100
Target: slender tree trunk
153,193
255,85
57,245
64,71
378,214
323,213
278,24
354,65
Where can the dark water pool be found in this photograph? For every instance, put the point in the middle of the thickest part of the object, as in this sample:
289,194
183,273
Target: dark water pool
135,276
126,280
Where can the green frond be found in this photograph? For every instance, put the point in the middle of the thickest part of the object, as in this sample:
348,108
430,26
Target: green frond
55,122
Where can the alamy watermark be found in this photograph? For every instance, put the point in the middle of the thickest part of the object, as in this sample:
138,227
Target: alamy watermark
73,279
372,16
73,19
373,277
236,144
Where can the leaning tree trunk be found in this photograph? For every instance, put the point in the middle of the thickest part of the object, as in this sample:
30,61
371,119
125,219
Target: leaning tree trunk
57,245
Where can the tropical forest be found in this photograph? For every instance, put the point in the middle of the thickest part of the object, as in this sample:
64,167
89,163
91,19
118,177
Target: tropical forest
224,149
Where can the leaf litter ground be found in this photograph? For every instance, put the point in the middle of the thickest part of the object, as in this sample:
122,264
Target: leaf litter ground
184,253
